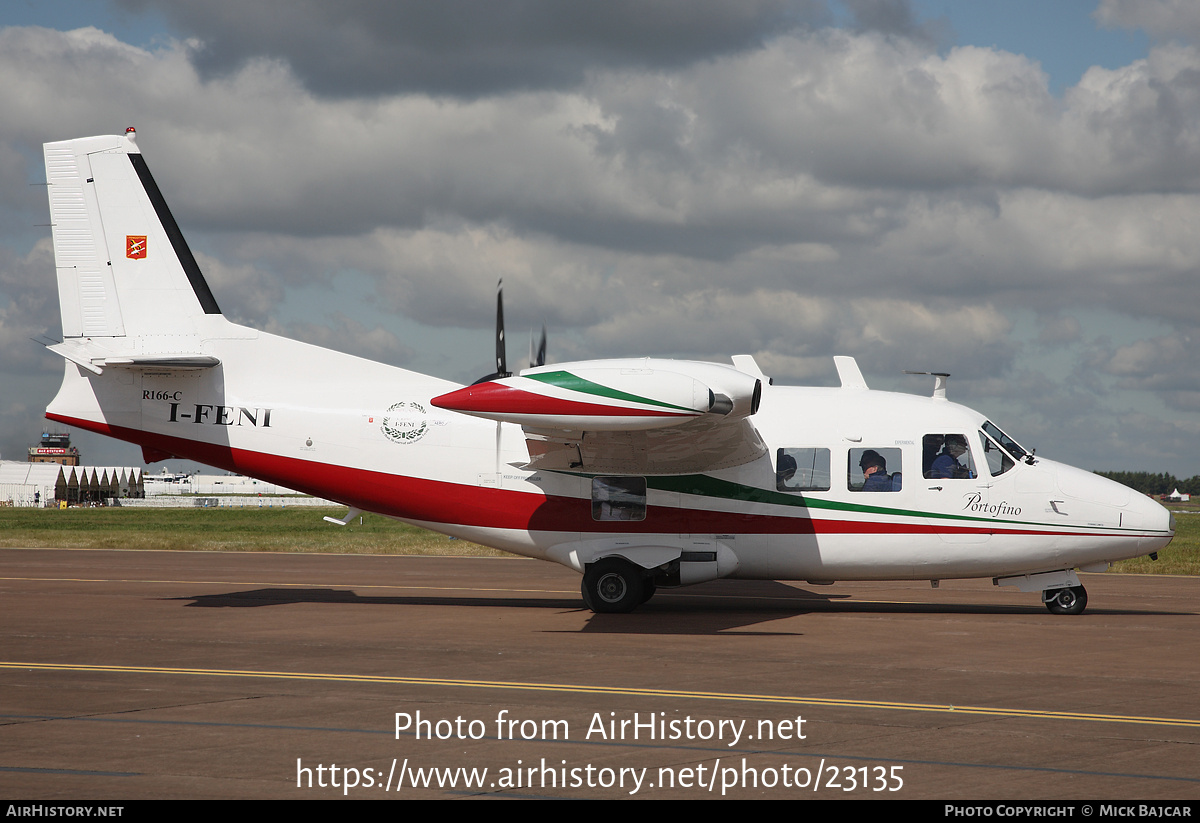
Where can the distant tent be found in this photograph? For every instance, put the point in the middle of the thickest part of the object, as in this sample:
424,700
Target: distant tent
19,481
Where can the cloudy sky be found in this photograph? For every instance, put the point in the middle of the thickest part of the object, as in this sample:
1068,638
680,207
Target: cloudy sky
1006,191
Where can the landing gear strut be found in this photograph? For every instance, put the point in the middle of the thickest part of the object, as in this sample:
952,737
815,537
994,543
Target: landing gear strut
614,585
1065,601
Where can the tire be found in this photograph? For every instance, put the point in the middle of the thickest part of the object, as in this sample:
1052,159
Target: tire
1066,601
648,589
613,586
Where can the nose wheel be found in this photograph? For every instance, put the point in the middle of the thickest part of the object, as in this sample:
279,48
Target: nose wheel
1071,600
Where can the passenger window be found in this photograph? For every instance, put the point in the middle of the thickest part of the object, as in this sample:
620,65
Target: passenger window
618,498
998,462
802,470
947,457
874,470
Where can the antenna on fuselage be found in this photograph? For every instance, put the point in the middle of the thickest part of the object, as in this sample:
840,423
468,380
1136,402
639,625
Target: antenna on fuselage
849,373
940,379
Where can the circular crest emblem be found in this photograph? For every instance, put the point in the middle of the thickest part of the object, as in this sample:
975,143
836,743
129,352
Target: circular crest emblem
405,422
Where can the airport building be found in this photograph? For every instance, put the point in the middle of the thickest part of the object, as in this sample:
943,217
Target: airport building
55,447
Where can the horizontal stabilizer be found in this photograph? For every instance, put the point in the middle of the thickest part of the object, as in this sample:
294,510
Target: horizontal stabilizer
165,361
95,357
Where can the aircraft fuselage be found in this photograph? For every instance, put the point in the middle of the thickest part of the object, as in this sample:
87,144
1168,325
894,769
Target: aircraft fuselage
367,435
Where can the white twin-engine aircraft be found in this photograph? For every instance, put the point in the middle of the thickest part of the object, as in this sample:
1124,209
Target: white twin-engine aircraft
635,473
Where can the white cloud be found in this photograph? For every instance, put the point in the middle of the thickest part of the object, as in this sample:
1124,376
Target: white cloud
824,192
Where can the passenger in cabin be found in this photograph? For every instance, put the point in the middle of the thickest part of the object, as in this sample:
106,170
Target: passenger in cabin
785,471
947,465
874,469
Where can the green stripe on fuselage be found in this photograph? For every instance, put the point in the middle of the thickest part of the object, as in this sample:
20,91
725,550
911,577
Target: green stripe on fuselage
702,485
705,486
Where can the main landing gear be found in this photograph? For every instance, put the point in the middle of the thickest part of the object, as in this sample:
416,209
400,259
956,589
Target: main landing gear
1071,600
614,586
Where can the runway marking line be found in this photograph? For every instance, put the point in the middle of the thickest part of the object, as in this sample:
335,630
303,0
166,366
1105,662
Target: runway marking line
986,711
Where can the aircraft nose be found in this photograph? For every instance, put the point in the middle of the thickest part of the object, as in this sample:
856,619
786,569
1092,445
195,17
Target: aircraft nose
1169,524
1157,518
1121,505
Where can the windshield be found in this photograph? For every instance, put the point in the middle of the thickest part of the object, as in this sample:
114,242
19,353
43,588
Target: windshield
998,462
1010,445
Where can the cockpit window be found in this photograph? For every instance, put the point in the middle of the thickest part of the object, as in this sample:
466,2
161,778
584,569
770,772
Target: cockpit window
1010,445
998,462
947,457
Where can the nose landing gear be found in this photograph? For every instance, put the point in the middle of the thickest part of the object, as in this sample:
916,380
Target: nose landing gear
1070,600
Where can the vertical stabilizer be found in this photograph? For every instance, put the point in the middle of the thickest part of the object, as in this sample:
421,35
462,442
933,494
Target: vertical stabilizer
127,280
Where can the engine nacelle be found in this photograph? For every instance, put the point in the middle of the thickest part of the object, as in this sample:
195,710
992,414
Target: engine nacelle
610,395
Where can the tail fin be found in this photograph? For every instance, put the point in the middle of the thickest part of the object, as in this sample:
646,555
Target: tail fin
129,288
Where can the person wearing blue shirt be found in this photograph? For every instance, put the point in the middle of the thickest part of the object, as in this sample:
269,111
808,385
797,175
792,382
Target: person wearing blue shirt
874,469
946,464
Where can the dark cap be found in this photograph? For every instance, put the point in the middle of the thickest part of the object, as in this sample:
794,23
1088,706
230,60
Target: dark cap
872,458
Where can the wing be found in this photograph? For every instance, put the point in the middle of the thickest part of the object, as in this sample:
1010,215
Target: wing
625,416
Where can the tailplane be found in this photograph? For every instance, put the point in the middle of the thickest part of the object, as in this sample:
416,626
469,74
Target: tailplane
129,288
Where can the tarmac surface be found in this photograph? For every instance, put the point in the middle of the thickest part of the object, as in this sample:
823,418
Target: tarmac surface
127,675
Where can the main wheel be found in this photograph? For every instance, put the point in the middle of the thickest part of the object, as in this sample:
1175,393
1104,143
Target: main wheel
1066,601
613,586
649,587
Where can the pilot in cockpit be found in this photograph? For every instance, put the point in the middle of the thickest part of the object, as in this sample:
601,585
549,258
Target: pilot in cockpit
947,465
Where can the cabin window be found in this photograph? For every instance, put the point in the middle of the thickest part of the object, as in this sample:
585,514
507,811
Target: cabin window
874,470
618,498
947,457
802,470
998,462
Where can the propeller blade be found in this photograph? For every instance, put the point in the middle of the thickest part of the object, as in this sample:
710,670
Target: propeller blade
501,356
538,359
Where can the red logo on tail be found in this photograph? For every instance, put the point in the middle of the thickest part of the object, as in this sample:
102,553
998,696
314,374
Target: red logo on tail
135,246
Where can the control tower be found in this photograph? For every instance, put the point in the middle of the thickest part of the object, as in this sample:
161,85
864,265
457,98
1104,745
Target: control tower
55,447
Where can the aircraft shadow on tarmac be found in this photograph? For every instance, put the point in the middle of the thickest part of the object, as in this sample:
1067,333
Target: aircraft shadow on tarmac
704,609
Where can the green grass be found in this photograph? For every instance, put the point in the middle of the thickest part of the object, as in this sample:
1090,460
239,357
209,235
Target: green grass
303,530
245,530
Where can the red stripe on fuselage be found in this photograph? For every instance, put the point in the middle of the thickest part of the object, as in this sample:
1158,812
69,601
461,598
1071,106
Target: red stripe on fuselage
439,501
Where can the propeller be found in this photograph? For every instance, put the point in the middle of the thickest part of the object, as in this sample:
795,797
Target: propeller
538,359
502,358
